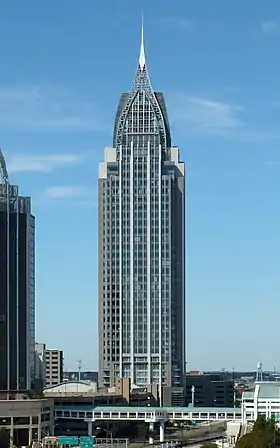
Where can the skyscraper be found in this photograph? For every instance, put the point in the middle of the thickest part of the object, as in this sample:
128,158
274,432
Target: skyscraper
17,289
142,244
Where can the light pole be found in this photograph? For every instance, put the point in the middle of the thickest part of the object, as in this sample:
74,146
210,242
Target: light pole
193,393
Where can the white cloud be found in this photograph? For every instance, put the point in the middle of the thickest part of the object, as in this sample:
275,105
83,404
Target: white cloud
44,109
62,192
270,27
205,115
40,163
179,23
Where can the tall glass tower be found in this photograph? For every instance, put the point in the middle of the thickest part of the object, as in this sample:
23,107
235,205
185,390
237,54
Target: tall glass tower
142,244
17,289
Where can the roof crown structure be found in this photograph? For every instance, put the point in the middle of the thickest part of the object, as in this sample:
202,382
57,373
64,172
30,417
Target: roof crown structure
4,178
141,86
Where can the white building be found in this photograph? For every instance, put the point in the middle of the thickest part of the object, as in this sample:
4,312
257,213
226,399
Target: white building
72,388
263,400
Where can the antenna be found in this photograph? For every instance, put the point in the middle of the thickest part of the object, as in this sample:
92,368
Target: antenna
79,361
259,374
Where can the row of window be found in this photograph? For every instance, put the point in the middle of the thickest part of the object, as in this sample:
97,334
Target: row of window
6,421
73,414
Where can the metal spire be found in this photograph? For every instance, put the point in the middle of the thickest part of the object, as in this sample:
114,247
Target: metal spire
4,178
142,58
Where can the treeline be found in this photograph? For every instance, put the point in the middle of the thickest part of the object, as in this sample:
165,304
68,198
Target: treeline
265,434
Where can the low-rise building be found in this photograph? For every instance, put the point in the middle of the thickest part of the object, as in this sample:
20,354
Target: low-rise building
71,389
209,390
173,396
264,399
27,420
83,375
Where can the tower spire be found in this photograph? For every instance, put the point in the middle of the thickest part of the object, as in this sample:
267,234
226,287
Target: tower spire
142,58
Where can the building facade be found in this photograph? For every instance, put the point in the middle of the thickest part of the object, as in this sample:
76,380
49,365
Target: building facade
40,366
87,375
263,400
54,367
17,289
209,390
142,244
26,421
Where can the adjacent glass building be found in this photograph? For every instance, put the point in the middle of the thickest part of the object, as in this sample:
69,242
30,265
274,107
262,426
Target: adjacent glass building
17,289
142,244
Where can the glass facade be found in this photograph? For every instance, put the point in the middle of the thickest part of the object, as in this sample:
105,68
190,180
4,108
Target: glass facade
138,271
17,294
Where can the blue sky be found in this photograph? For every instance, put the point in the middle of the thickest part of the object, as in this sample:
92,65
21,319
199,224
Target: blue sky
63,65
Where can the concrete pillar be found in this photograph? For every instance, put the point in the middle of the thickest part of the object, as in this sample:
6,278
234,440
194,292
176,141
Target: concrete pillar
151,436
89,428
39,428
30,432
161,432
30,436
51,428
12,431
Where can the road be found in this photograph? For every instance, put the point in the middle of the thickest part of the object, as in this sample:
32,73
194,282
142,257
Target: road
205,437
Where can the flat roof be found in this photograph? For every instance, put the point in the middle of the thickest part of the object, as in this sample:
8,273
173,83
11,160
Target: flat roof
165,409
270,389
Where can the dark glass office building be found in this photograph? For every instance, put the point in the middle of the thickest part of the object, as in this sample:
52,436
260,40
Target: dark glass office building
17,289
142,244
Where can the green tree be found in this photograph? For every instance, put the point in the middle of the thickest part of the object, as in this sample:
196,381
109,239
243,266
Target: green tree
265,434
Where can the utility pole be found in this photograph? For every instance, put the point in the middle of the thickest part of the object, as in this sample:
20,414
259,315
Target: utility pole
79,369
234,390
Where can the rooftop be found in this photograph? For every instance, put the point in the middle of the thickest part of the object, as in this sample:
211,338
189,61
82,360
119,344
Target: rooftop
164,409
268,389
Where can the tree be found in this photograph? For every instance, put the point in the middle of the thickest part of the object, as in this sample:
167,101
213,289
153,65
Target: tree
265,434
249,440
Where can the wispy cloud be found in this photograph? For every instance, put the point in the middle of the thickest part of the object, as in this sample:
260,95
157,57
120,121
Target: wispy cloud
180,23
40,163
44,109
63,192
206,115
270,27
202,116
